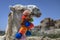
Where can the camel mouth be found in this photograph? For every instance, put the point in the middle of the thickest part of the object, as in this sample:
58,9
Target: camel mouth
38,15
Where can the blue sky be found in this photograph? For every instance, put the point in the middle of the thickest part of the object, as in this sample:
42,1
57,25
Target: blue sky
49,8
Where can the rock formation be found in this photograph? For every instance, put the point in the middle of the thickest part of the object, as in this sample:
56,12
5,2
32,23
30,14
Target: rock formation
48,27
49,23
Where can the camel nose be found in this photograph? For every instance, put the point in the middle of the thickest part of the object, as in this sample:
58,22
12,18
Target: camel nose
38,15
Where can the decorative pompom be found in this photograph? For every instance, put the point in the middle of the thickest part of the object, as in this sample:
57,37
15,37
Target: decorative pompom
18,35
28,33
27,23
31,20
31,26
24,17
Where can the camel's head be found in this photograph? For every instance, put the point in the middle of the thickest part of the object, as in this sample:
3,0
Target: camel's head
34,10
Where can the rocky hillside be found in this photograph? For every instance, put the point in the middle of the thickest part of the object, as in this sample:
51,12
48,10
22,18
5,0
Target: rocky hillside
48,27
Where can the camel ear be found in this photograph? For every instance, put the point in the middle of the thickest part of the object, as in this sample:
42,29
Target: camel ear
11,8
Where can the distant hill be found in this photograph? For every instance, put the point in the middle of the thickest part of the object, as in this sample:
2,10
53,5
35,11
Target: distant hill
2,33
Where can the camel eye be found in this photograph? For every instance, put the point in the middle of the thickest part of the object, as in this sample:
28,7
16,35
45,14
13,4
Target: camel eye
37,9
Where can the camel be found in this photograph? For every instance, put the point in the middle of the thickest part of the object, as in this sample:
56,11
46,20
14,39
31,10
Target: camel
14,19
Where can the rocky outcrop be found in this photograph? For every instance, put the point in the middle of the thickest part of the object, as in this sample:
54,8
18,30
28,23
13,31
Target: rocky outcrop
48,24
49,28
